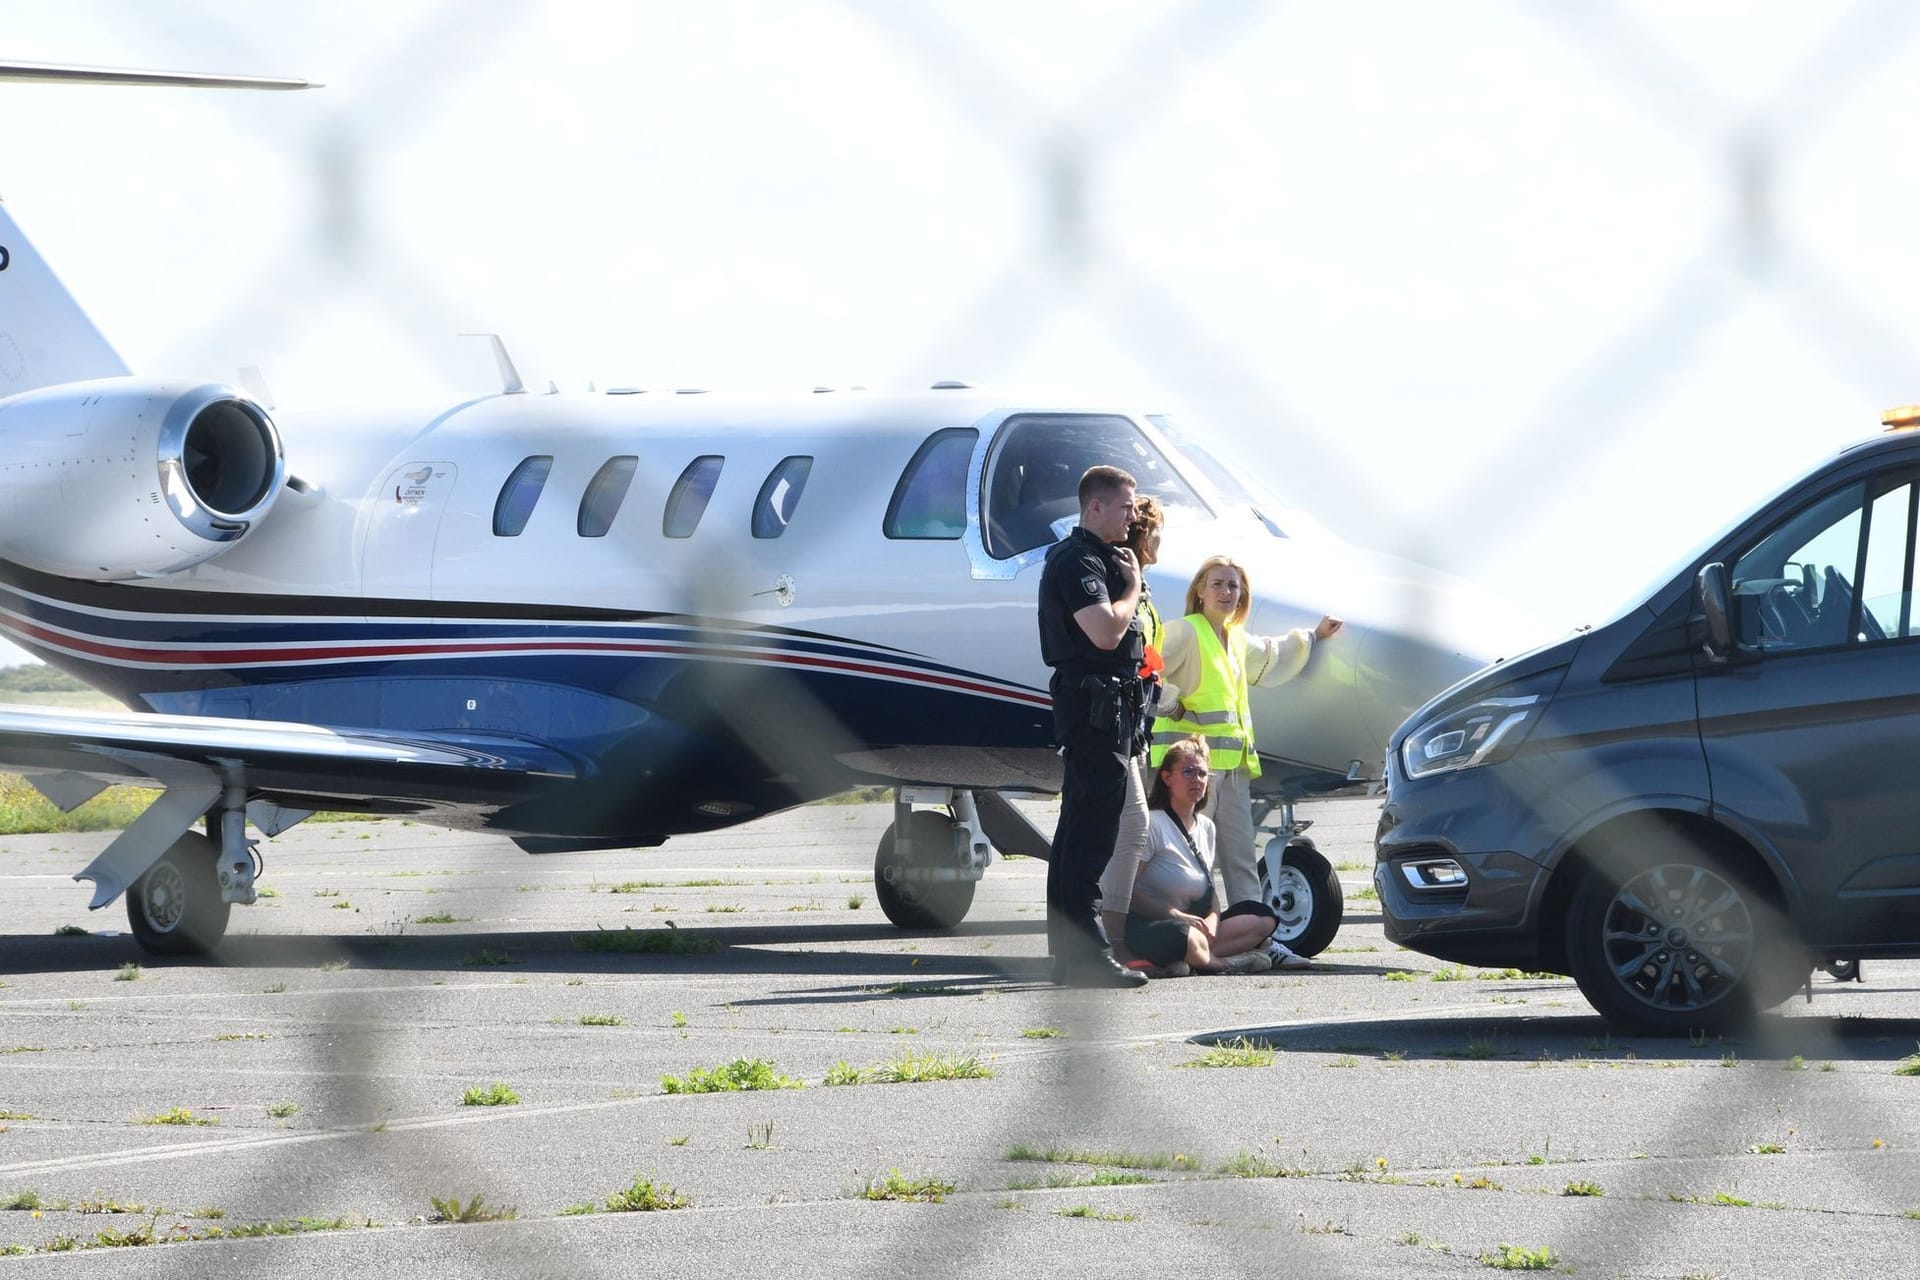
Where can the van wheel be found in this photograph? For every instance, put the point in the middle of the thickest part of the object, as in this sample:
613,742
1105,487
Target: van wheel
1674,943
921,904
1306,896
176,908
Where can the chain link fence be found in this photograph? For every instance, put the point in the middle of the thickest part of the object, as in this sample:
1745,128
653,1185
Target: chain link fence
1472,282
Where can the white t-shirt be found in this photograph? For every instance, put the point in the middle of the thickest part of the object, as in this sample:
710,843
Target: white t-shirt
1172,877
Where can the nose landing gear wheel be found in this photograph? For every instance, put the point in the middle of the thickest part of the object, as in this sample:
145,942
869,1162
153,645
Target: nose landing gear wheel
1305,894
176,908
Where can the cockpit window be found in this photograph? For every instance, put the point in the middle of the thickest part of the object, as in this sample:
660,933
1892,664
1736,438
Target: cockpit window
688,500
605,492
931,499
1228,483
780,496
1036,469
514,507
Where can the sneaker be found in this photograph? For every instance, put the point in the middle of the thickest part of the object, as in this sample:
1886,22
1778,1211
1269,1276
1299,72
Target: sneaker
1174,969
1285,958
1247,962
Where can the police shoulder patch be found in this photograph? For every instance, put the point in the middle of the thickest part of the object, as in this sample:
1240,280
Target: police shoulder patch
1091,584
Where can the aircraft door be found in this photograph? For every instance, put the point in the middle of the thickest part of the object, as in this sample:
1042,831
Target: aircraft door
397,556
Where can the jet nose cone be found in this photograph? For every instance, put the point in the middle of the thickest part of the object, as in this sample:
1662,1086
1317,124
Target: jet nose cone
1426,631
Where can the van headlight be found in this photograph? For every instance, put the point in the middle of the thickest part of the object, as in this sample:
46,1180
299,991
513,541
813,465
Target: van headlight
1469,734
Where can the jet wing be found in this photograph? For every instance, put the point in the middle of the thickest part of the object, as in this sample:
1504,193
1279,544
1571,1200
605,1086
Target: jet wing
295,765
279,771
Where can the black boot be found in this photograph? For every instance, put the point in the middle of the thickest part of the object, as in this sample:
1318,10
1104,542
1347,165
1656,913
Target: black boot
1095,969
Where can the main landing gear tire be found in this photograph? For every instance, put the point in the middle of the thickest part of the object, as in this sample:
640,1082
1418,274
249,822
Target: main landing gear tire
1306,896
1674,943
921,904
176,908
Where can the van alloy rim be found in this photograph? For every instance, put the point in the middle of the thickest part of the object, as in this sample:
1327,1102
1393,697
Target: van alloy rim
1678,936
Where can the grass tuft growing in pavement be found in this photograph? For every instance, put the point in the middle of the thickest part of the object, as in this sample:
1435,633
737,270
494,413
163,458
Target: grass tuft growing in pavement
497,1094
177,1115
672,942
1514,1257
1239,1052
733,1077
1111,1159
474,1210
897,1186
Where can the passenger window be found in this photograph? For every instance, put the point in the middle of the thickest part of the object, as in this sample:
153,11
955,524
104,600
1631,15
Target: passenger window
605,492
1036,469
1886,581
931,499
514,507
687,501
1794,588
779,497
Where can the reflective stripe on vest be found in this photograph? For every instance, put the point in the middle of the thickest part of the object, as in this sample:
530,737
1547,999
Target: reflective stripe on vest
1217,710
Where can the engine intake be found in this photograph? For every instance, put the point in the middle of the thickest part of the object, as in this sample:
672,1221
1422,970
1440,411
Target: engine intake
120,478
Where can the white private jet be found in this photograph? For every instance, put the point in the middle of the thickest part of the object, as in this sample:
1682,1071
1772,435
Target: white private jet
592,621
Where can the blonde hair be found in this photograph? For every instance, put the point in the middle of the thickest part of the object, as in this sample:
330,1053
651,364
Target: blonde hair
1239,615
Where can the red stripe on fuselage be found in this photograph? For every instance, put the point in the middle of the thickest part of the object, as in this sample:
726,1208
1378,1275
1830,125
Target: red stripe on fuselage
294,656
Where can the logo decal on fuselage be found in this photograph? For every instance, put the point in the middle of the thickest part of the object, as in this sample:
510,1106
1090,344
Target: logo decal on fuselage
5,257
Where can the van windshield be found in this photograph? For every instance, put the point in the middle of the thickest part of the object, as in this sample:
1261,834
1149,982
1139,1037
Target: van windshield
1644,593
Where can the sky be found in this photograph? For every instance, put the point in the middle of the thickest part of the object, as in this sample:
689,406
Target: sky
1536,293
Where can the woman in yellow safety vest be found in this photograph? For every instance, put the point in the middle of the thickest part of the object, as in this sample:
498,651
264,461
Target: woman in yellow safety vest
1210,661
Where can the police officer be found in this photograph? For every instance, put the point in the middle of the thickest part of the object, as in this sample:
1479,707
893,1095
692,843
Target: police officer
1090,635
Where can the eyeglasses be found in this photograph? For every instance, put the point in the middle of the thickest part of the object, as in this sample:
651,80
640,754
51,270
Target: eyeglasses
1195,772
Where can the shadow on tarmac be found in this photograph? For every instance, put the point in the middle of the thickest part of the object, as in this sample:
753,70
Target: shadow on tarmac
1583,1036
865,949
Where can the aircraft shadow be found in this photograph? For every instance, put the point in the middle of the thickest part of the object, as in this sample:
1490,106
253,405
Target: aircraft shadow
773,949
1583,1035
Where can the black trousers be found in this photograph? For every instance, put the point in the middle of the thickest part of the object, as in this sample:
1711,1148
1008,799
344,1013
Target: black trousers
1092,794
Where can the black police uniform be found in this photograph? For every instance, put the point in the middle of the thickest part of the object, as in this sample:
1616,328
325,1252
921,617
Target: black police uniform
1099,718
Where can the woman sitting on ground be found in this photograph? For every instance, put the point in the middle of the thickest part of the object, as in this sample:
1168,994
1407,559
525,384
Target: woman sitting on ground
1173,921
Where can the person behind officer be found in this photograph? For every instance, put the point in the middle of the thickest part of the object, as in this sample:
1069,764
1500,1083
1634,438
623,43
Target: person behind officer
1210,663
1129,846
1090,634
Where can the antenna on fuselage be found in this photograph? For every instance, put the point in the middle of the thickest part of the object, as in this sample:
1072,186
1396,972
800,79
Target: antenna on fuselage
510,384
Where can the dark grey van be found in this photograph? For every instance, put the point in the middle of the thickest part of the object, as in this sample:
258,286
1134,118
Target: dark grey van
1688,807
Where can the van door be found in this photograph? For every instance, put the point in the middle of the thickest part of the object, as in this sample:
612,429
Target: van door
1814,743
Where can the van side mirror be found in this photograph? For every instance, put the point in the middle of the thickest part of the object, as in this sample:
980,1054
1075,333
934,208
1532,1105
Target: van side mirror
1716,603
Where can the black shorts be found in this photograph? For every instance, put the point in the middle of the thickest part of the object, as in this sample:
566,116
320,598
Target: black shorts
1162,939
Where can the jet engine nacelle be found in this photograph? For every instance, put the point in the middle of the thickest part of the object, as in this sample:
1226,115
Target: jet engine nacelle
125,478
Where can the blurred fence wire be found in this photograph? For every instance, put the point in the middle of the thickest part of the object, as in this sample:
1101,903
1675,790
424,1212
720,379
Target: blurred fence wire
1066,122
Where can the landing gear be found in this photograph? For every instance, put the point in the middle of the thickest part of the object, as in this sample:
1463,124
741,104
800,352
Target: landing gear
176,908
1301,885
1304,892
929,860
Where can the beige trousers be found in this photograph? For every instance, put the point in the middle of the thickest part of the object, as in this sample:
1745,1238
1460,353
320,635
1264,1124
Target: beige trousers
1230,805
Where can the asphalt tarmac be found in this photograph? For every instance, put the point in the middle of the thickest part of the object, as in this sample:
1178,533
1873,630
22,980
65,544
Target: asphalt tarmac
296,1108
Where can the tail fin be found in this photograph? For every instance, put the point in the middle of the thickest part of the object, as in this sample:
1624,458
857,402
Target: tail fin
45,338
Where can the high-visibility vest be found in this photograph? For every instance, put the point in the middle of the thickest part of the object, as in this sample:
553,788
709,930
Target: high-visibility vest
1217,709
1153,633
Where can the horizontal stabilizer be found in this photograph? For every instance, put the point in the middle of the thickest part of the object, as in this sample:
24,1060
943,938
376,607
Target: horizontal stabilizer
45,338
